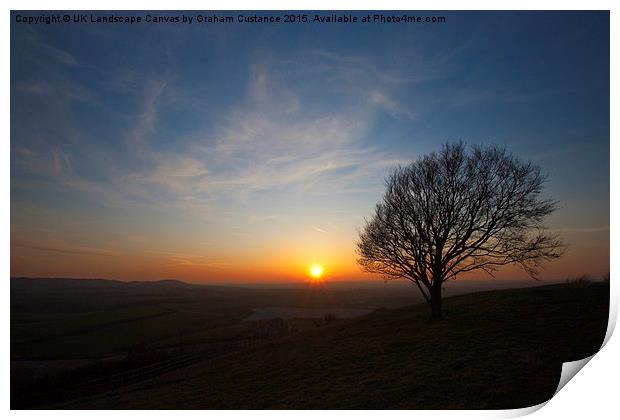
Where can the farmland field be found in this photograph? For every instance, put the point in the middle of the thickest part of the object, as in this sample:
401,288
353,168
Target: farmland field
123,351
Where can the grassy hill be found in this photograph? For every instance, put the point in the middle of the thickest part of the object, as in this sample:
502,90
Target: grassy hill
500,349
75,318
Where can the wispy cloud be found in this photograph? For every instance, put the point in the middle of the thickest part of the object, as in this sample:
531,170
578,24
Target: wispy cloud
184,259
357,70
63,248
272,139
390,105
56,90
594,229
144,127
318,229
265,142
45,51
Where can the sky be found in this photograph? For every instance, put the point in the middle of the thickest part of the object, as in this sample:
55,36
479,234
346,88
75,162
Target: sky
248,152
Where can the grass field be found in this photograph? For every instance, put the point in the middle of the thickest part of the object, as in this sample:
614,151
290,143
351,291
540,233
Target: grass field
65,331
499,349
65,319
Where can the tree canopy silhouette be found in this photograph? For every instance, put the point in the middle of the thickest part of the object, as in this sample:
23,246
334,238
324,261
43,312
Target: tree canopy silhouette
456,211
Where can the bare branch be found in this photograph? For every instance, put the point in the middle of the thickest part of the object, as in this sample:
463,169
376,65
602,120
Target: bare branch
457,211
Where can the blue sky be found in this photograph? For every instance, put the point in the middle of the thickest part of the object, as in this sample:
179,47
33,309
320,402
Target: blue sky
208,152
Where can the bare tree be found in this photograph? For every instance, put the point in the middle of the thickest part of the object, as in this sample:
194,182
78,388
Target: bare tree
456,211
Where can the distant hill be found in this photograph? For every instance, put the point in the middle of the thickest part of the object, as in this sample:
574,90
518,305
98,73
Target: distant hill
500,349
55,318
59,282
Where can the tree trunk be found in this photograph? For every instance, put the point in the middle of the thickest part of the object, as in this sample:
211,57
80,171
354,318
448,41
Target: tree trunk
436,302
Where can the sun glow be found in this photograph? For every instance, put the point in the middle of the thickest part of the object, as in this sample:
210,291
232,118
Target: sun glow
316,271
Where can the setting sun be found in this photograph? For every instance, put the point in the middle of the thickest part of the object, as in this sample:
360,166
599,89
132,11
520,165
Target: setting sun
316,271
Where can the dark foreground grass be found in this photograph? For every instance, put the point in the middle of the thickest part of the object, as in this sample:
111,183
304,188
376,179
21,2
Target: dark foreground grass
493,350
72,318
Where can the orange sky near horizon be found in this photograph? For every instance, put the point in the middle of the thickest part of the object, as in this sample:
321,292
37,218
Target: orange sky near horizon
283,264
